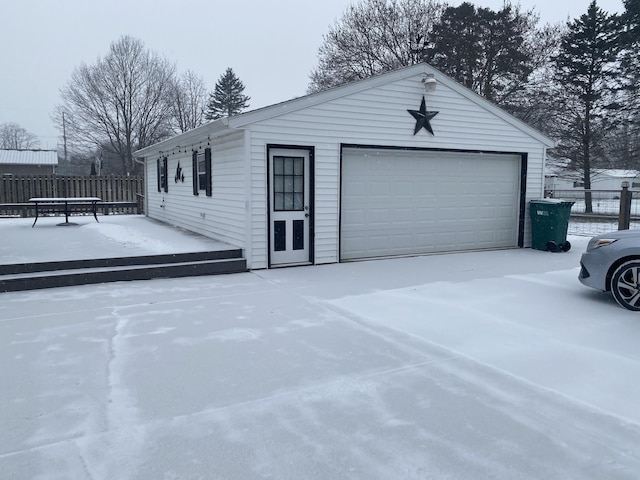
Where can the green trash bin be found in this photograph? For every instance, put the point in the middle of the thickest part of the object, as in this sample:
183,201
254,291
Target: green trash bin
549,224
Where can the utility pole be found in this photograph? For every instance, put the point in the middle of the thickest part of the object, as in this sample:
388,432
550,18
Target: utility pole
64,137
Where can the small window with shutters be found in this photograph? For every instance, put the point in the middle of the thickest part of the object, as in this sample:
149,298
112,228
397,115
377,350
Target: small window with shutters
201,162
163,182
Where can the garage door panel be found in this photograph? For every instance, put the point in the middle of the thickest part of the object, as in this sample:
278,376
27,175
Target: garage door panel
397,202
357,188
486,213
403,216
424,214
487,237
354,218
505,213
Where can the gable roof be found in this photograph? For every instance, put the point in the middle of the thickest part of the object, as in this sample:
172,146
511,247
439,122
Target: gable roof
29,157
219,126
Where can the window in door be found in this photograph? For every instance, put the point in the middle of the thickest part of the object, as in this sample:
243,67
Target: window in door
288,183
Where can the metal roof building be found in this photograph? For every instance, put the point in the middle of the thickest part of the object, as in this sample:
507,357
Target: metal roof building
29,157
28,162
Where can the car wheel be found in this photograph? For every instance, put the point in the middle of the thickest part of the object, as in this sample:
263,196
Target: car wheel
625,285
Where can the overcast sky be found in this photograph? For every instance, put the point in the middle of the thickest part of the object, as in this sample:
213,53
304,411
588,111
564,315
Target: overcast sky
271,45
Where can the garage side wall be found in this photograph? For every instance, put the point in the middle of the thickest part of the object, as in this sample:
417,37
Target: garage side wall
379,117
221,216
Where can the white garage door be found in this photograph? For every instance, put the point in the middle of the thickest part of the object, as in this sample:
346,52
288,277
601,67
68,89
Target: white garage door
404,202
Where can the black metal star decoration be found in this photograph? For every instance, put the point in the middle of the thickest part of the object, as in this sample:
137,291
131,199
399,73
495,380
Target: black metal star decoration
423,118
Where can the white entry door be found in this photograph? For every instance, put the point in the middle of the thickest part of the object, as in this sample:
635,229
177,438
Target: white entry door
289,207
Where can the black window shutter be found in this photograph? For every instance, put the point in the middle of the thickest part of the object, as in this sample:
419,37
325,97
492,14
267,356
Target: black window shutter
159,176
194,166
207,162
165,161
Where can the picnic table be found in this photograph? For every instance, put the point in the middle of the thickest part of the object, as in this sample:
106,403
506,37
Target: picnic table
68,205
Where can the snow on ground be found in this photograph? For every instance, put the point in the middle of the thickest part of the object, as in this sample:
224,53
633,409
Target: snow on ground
113,236
465,366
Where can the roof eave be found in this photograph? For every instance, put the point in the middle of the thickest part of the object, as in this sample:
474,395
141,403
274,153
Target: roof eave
313,99
495,109
210,129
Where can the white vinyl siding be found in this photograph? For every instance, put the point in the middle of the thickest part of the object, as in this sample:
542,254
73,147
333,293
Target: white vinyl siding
221,216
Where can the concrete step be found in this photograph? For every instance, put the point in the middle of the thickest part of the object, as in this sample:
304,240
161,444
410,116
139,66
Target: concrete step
78,275
18,268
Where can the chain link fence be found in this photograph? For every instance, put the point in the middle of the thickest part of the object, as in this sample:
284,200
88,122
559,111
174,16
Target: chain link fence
604,214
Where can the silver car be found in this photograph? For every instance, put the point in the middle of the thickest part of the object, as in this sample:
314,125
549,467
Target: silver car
612,263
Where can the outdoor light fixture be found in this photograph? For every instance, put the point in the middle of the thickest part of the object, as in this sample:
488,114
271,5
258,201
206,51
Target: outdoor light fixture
430,83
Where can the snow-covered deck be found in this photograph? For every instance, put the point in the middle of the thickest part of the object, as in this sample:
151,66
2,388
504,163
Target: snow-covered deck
114,236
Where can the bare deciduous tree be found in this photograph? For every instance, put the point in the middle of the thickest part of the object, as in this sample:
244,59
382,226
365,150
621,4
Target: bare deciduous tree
14,137
189,100
122,102
535,102
374,36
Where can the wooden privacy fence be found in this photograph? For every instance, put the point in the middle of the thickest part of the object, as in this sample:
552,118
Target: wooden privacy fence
19,189
123,194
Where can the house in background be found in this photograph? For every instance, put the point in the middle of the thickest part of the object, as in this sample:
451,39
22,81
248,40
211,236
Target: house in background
601,179
28,162
387,166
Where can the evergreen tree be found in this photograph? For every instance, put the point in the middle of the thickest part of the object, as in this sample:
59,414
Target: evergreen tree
629,101
486,51
585,69
631,19
227,98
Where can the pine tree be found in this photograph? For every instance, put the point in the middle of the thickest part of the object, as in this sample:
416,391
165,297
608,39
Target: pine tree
629,38
487,51
585,68
227,98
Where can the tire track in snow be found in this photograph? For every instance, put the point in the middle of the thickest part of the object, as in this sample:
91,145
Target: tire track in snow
125,436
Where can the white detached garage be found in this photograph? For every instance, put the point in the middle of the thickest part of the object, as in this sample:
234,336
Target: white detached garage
376,168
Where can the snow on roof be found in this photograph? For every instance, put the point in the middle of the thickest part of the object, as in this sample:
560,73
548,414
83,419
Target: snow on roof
619,173
29,157
559,170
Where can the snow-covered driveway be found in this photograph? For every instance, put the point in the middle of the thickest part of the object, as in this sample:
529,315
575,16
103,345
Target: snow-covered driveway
466,366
